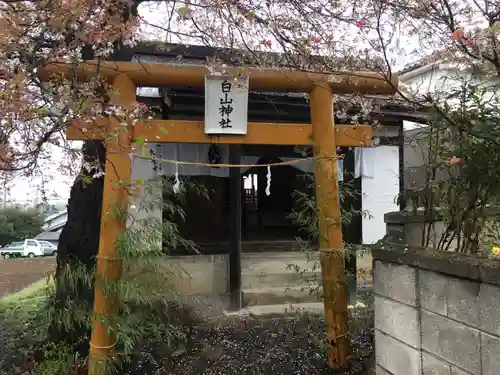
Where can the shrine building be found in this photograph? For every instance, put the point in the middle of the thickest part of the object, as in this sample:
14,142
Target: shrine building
374,171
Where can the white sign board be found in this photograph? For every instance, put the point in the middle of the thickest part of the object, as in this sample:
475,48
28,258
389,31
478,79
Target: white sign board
226,105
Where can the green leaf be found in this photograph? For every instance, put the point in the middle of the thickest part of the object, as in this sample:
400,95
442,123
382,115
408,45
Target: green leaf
183,11
143,152
87,180
43,111
139,141
84,103
179,352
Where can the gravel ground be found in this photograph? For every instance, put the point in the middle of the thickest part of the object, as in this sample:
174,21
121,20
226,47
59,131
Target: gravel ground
234,345
258,346
278,346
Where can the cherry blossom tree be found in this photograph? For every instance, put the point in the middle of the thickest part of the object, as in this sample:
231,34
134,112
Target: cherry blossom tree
323,35
310,35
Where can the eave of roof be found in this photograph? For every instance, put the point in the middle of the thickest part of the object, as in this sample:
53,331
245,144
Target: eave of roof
48,236
189,53
56,215
179,54
409,73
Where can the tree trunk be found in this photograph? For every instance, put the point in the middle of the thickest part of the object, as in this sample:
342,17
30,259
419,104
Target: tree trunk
79,240
78,246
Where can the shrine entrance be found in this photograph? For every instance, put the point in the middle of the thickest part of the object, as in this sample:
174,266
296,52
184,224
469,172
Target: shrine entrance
267,224
220,127
267,217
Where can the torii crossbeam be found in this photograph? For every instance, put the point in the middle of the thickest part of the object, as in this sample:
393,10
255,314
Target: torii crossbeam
322,134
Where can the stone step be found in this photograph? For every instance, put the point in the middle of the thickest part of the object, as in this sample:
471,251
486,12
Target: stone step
279,309
293,294
280,295
289,262
290,279
277,266
285,279
283,255
284,309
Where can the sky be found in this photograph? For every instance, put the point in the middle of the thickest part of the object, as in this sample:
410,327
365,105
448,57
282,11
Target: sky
57,185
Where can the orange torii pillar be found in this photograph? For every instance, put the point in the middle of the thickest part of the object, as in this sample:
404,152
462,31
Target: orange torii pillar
113,224
332,258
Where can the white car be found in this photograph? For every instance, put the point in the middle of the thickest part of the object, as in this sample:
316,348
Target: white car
27,248
48,248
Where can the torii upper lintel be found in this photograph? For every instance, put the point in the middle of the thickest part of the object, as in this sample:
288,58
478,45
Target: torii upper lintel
263,80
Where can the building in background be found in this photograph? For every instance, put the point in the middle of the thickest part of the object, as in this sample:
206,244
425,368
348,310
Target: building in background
56,221
440,79
52,237
53,227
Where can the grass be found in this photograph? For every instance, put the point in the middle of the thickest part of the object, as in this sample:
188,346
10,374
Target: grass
36,289
20,325
20,306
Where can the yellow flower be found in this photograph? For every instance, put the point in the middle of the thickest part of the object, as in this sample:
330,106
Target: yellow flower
495,250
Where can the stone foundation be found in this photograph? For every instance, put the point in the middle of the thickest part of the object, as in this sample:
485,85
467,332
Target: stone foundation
261,274
436,313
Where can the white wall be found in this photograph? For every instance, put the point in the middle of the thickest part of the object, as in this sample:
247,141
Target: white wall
438,78
380,192
441,80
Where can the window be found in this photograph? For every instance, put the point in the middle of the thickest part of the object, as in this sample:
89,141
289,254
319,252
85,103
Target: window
44,244
250,190
31,243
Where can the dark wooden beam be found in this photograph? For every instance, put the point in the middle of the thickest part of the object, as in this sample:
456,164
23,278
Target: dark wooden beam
193,95
277,107
352,230
402,202
270,151
235,218
392,141
264,111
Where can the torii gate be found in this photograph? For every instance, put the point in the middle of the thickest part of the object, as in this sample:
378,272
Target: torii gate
322,134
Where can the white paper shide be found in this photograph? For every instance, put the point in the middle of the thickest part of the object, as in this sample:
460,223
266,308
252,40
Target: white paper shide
226,105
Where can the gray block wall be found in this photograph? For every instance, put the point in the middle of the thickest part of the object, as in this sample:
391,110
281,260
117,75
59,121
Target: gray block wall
431,322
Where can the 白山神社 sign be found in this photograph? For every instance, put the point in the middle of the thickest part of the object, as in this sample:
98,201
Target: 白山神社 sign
226,105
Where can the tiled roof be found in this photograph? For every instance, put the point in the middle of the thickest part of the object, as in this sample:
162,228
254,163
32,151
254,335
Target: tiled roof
49,236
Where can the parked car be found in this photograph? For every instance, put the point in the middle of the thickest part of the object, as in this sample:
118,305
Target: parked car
48,248
27,248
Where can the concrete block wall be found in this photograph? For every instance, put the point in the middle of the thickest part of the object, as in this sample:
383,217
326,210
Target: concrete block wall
436,313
